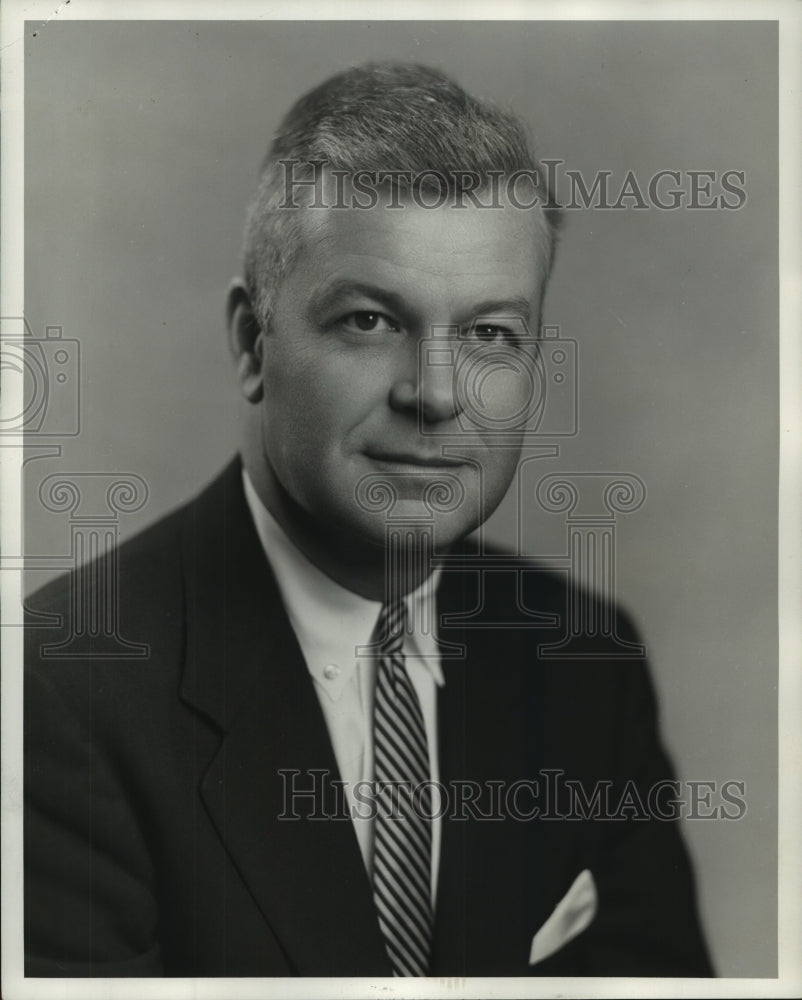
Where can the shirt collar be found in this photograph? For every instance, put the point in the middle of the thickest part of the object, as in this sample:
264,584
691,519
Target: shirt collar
329,620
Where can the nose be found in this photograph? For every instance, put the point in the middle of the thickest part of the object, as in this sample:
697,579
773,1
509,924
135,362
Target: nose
430,393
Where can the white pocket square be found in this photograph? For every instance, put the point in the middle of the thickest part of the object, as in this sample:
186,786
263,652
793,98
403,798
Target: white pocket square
570,917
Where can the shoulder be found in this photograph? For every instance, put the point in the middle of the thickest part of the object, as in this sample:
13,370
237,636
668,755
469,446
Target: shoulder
568,644
147,566
114,628
117,587
498,578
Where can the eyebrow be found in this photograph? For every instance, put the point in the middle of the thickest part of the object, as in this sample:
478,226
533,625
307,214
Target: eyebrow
517,305
336,291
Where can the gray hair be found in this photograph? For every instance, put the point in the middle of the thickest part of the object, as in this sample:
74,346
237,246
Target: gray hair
380,117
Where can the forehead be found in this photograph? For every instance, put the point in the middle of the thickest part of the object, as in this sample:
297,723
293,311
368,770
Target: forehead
433,257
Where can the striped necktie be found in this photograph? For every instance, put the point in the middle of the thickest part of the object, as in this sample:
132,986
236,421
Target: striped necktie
403,836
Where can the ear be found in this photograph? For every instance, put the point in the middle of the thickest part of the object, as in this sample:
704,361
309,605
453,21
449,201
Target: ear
246,340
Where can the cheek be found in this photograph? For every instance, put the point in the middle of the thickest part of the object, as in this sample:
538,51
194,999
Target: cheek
500,468
314,401
298,387
290,414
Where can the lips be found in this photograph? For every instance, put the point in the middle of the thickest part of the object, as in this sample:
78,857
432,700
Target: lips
414,460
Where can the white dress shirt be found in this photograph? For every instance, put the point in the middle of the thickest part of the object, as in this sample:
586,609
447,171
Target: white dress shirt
330,622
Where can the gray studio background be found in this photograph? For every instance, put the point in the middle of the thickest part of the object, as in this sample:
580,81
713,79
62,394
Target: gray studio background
142,147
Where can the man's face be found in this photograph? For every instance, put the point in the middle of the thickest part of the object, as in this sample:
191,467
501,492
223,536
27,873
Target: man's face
356,404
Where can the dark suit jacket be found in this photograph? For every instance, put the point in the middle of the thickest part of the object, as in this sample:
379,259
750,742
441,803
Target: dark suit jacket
153,844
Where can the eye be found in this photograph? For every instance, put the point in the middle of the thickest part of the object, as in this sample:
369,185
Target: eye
367,321
490,333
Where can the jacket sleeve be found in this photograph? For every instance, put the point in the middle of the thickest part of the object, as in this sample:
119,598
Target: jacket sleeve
90,905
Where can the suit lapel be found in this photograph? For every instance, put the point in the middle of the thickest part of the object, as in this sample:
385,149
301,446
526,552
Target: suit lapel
246,673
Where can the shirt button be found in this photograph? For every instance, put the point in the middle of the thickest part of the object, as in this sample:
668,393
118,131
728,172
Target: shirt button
331,671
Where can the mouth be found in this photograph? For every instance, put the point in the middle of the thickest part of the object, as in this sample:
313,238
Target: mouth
413,461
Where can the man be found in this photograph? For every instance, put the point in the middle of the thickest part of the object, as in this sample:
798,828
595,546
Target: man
345,754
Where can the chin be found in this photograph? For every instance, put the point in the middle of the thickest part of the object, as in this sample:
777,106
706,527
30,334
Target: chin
414,528
449,534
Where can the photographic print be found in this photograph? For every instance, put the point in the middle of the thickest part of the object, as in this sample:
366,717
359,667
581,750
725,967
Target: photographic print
394,413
